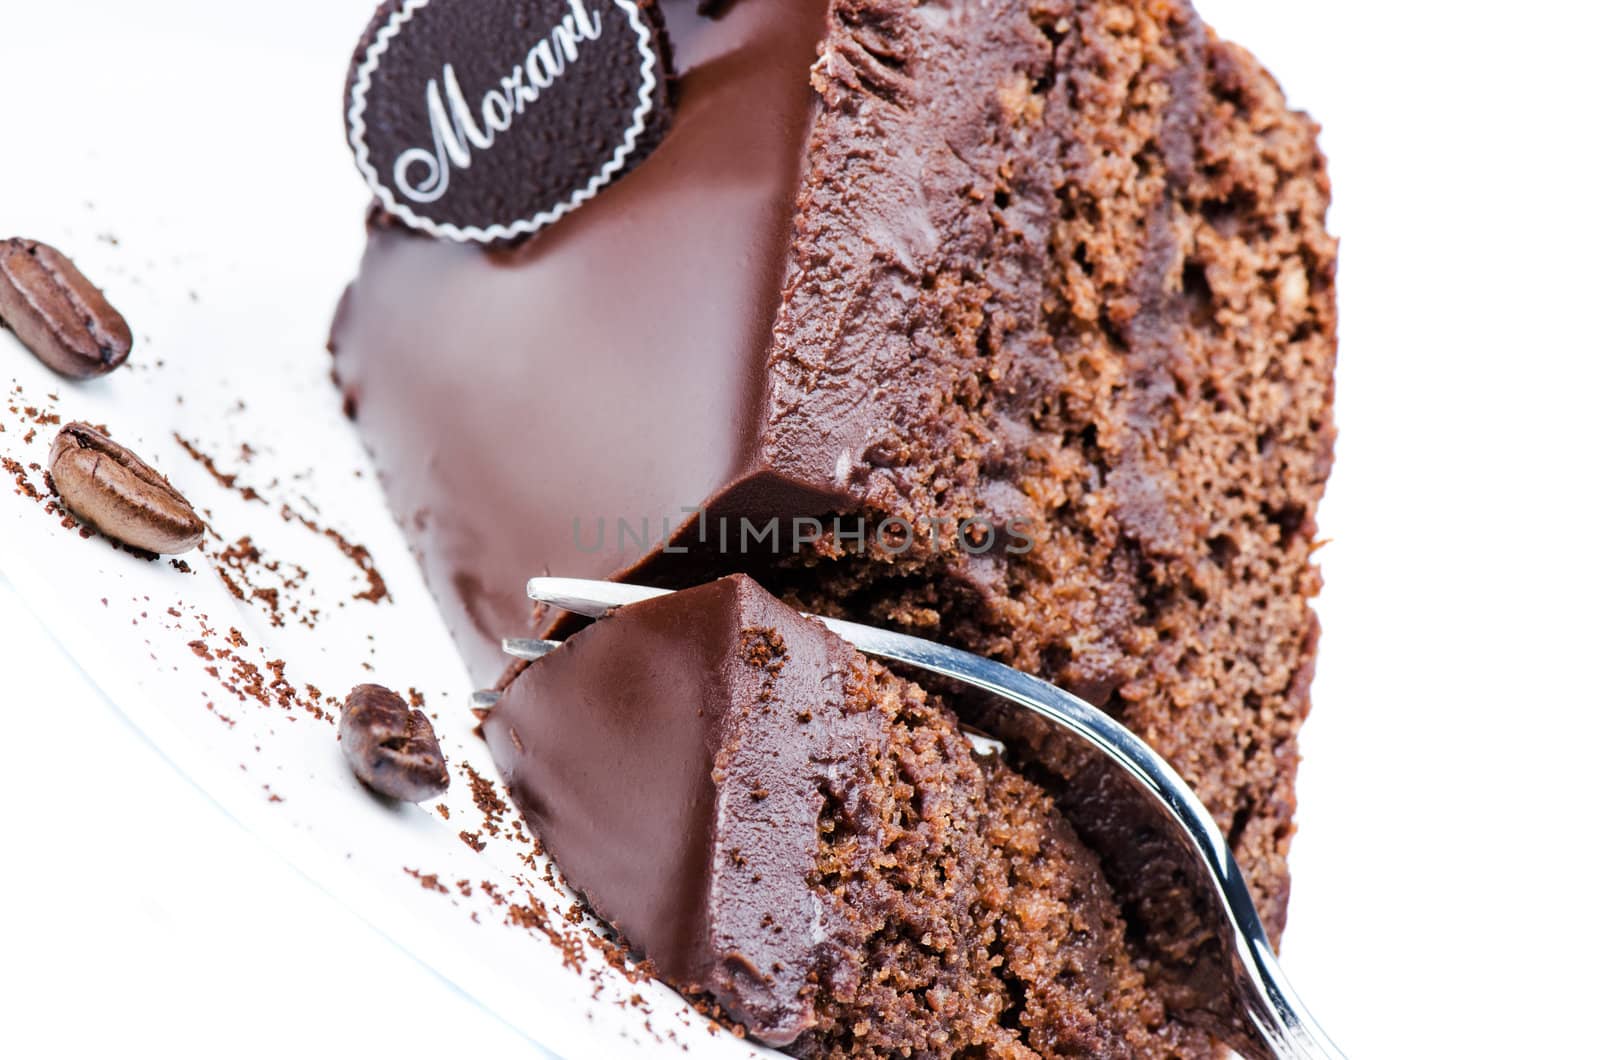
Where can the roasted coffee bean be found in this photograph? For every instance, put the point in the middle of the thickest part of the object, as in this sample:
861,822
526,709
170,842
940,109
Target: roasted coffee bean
123,497
391,747
59,315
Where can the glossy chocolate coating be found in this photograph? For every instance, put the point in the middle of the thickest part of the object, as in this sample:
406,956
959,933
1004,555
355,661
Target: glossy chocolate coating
641,323
674,766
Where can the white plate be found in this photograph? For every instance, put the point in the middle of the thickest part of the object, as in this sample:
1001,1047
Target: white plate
223,218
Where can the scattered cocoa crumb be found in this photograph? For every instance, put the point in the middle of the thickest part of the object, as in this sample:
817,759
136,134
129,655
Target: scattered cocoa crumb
377,590
487,799
534,916
266,684
429,881
25,487
243,569
226,481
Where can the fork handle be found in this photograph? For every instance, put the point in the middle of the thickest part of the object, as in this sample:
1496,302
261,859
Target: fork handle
1280,1018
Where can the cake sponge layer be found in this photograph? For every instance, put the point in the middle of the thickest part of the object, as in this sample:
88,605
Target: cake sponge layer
779,822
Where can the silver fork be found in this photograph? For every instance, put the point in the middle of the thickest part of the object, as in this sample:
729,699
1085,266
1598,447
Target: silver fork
1245,1000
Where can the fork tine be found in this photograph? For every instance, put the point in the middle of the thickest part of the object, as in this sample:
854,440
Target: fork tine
589,598
528,649
517,648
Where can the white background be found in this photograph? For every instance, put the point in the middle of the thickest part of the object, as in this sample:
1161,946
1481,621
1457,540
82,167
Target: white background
1443,874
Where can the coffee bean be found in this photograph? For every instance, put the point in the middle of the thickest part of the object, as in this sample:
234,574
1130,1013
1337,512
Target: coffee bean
123,497
391,747
59,315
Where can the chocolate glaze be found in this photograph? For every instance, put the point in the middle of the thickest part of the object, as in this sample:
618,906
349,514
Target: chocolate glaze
642,322
672,757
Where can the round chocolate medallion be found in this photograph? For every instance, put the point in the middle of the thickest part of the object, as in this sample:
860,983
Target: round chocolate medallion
485,120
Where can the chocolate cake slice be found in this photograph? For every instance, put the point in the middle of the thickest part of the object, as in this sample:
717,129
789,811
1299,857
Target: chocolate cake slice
782,824
1008,324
